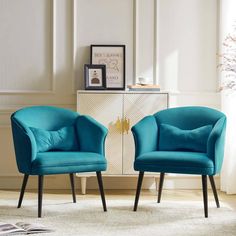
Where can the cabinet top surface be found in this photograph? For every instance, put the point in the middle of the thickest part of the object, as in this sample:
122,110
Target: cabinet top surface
119,92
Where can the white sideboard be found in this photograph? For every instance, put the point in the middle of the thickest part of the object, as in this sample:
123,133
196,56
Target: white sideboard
119,111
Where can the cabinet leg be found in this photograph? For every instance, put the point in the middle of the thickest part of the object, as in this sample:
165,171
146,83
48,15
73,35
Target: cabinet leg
156,184
83,185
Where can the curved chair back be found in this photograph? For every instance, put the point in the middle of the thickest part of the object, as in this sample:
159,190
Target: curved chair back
45,117
190,117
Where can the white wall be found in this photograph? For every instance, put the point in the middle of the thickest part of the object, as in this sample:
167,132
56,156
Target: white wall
44,44
187,47
36,66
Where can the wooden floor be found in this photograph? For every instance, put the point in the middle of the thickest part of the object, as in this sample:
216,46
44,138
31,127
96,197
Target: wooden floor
175,195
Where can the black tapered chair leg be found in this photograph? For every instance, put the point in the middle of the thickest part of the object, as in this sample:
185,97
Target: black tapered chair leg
139,186
22,192
100,184
213,186
40,194
160,186
204,189
73,187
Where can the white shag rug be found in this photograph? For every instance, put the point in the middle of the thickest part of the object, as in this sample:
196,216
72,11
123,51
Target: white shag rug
86,217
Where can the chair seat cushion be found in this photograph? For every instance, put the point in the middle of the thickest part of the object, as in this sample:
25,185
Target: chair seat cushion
67,162
175,162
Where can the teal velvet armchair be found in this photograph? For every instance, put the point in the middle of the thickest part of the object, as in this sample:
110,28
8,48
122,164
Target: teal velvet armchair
50,140
185,140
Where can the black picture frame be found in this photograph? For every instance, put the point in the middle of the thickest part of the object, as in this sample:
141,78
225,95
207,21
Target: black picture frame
113,56
95,77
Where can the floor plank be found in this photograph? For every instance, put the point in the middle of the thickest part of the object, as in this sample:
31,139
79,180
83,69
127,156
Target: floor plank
175,195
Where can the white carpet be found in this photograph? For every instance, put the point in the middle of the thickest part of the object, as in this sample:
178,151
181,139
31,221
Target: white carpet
86,217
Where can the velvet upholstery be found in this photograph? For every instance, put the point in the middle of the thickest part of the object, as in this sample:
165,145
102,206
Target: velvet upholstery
56,163
208,161
63,139
175,162
90,136
172,138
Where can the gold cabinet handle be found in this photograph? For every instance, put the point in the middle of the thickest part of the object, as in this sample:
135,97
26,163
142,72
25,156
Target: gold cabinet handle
126,125
122,125
118,125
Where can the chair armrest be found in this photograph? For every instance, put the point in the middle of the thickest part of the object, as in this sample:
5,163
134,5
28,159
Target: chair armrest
25,146
215,143
145,134
91,135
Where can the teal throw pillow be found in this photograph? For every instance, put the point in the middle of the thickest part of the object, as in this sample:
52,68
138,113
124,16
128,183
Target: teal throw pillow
63,139
174,139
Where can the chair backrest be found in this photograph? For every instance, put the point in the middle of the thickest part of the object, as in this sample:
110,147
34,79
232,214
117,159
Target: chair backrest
45,117
188,118
194,127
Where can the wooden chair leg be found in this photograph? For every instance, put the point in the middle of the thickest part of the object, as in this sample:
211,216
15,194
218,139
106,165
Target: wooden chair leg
40,195
214,190
204,189
160,187
73,187
100,184
25,180
139,186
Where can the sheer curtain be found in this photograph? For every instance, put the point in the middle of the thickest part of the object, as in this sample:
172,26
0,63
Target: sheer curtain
228,99
228,173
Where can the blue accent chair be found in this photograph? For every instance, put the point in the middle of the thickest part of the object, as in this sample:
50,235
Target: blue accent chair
184,140
50,140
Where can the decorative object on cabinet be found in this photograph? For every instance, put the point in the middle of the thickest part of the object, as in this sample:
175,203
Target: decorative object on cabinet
143,80
143,87
118,111
95,76
113,56
182,140
55,126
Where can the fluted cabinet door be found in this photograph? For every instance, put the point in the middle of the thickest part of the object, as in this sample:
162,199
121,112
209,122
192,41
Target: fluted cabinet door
137,106
106,109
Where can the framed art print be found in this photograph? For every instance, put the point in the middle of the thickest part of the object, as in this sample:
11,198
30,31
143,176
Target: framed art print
95,77
113,56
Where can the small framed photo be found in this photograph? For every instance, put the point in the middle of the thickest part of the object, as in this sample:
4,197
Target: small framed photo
95,76
113,56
